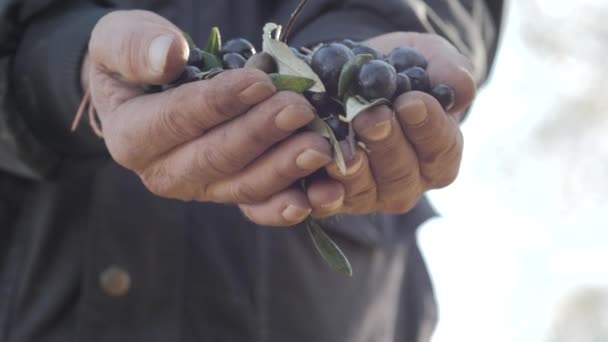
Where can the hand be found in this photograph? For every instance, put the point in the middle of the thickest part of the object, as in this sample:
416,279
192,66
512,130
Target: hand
227,140
413,150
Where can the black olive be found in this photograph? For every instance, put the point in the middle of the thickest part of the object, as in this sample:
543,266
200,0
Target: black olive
327,63
445,95
233,60
377,79
419,79
404,58
241,46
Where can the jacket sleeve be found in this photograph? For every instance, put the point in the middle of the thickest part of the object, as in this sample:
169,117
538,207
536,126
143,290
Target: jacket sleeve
42,46
467,24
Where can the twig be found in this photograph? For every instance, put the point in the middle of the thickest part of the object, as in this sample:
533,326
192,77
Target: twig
85,101
93,121
292,20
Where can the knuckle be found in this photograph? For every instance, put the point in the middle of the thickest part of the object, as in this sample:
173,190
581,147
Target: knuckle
400,206
214,161
177,122
242,192
399,183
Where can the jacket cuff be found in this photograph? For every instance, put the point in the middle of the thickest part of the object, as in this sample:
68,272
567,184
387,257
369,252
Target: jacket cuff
47,77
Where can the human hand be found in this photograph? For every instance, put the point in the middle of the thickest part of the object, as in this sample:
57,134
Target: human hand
412,150
227,140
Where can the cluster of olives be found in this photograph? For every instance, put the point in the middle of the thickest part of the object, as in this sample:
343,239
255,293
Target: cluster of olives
381,77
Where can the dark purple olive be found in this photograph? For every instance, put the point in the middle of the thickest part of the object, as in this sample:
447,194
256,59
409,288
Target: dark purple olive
404,58
240,45
418,78
233,60
327,63
196,58
190,74
445,95
377,79
403,85
262,61
324,104
339,127
366,50
300,55
349,43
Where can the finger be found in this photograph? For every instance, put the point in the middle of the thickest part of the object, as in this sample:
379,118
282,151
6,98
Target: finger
326,197
435,136
140,130
392,159
445,64
359,184
140,46
279,168
286,208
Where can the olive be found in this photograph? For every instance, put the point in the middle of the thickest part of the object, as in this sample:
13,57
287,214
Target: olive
445,95
366,50
300,55
240,45
404,58
403,84
262,61
323,104
233,60
339,127
419,79
195,58
190,74
327,63
349,43
377,79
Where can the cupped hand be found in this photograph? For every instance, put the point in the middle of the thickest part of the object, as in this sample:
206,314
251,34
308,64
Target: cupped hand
413,149
228,140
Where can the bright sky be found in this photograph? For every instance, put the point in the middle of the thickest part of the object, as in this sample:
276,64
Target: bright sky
525,221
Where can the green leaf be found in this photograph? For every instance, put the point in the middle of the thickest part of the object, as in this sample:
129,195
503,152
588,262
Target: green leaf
349,73
319,126
207,75
214,43
357,104
328,248
291,83
287,62
211,61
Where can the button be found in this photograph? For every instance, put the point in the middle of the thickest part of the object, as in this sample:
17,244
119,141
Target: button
115,281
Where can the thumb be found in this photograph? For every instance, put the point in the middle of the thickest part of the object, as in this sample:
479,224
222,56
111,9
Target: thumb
140,46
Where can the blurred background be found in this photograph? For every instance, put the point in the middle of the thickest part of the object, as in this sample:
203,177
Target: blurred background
521,250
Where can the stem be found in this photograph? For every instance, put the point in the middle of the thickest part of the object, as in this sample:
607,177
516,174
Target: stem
292,20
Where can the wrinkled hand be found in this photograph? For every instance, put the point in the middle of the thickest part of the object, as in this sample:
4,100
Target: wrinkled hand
227,140
413,150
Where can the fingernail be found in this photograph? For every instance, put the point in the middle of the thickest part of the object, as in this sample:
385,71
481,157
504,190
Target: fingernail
312,160
158,52
294,213
414,112
378,132
293,117
256,93
354,165
334,205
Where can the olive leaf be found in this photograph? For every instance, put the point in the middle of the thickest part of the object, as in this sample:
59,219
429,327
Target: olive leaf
211,61
349,73
291,83
287,62
214,43
328,248
357,104
319,126
207,75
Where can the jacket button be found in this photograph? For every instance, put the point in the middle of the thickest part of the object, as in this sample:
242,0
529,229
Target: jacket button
115,281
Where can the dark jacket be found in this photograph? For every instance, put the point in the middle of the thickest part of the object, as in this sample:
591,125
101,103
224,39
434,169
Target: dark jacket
88,254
